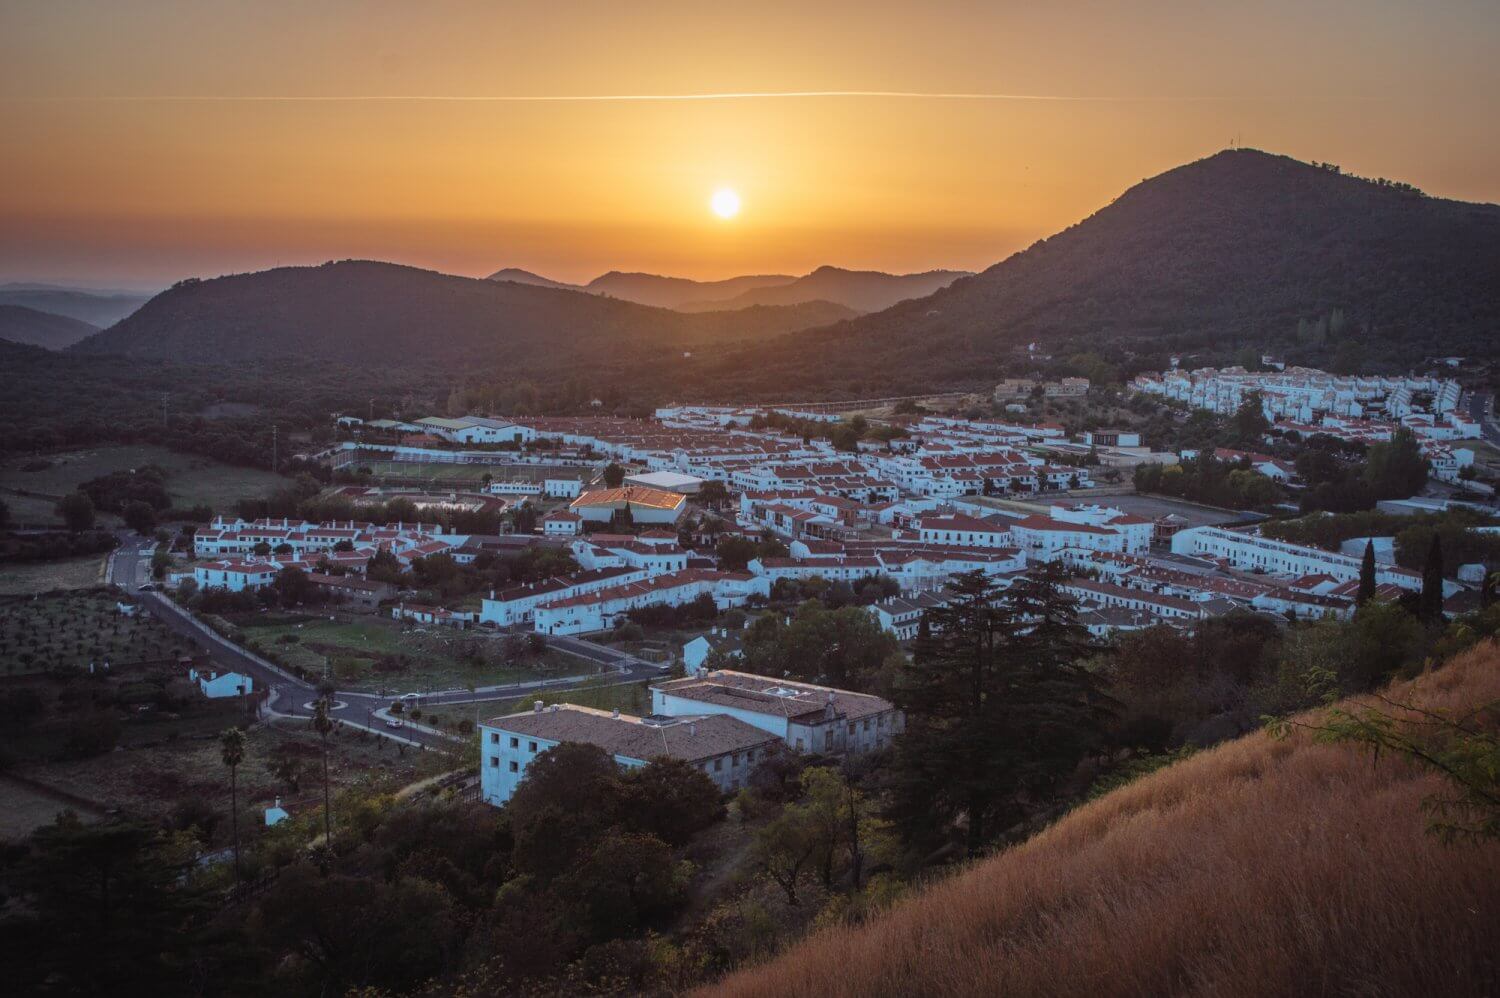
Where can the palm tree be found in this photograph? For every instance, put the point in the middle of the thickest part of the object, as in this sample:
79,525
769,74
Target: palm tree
232,751
323,725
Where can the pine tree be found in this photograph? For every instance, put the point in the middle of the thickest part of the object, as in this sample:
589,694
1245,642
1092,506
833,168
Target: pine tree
998,707
1366,575
1431,604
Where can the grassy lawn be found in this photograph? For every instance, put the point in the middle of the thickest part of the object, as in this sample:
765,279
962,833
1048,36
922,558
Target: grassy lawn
378,653
191,479
24,809
26,578
629,698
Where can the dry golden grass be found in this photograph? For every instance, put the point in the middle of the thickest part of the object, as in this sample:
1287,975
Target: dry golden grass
1262,867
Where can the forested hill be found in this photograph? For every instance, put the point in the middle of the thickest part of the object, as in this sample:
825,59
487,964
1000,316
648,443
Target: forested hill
372,313
1231,250
20,324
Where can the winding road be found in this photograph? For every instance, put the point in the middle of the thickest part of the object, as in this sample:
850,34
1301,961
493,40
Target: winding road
129,568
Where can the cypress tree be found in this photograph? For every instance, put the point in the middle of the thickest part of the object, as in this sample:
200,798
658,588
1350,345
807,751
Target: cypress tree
1432,582
1367,575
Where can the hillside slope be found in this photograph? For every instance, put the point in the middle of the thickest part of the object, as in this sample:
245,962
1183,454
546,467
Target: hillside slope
20,324
97,309
861,290
1233,249
655,290
372,313
1260,867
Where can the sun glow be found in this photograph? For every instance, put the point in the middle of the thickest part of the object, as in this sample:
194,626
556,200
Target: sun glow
725,203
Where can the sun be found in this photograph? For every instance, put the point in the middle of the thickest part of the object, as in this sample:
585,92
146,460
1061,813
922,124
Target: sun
725,203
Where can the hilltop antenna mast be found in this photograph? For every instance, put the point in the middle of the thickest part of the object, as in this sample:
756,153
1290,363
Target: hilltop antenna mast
274,442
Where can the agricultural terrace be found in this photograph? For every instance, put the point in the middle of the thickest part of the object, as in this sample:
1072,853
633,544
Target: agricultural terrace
370,653
64,632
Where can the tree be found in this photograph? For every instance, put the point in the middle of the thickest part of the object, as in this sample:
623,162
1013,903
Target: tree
999,707
713,493
293,585
139,516
783,848
614,475
1396,469
734,552
1249,423
118,891
323,725
1366,575
670,799
232,752
77,511
1431,602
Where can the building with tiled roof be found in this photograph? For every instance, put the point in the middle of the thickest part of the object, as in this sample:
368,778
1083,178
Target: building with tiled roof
727,749
646,505
807,717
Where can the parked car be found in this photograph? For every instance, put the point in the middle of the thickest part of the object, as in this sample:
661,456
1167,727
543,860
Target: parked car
394,722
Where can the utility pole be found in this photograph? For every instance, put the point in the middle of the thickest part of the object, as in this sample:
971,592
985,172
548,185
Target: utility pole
164,411
274,443
372,410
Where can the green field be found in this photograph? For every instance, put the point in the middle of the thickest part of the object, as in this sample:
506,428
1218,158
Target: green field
379,653
69,631
414,471
191,479
604,694
27,578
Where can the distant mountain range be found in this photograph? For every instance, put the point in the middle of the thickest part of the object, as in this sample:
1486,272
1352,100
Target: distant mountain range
858,290
371,313
97,308
1243,248
20,324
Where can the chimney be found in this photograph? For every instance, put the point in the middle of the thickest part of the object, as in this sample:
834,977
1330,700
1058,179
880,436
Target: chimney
616,712
692,728
536,708
278,802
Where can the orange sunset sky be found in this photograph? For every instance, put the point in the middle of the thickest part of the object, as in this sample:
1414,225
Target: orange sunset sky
149,140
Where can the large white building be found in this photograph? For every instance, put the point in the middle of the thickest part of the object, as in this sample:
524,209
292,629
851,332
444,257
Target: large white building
1251,553
808,718
726,749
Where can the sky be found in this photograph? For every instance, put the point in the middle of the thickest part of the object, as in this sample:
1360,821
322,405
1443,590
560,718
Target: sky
153,140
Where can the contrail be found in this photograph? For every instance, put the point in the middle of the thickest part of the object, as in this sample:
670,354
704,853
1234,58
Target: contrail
644,98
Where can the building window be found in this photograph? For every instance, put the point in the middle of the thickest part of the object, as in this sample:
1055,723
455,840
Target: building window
515,767
515,743
494,762
718,764
531,746
494,738
851,727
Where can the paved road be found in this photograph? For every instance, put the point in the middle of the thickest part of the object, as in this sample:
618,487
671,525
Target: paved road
1481,406
129,568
